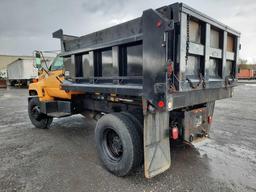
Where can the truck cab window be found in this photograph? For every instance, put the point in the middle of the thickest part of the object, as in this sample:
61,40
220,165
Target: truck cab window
57,64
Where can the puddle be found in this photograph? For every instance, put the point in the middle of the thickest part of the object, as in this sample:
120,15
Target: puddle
230,163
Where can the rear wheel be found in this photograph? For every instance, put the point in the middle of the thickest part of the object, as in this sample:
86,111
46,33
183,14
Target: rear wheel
38,119
119,143
136,121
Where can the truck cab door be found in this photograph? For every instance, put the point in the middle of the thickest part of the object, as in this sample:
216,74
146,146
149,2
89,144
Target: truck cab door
55,77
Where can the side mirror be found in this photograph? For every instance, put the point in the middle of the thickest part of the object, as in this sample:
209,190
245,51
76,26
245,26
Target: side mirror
38,60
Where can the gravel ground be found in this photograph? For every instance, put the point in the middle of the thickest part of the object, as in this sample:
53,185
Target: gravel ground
64,158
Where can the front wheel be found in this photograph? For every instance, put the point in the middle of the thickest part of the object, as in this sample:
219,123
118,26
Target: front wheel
38,119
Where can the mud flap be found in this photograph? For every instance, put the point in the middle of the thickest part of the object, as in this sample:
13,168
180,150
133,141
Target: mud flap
210,108
157,156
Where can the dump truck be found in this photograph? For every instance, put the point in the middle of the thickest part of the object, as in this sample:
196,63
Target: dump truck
147,82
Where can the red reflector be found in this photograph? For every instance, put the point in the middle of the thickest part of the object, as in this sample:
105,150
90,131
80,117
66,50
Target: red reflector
175,133
158,24
209,119
169,69
160,104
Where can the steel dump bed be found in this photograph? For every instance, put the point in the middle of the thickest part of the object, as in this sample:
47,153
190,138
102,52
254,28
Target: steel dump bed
173,53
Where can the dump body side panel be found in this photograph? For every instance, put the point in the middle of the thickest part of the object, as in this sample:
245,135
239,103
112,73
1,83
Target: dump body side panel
123,33
202,54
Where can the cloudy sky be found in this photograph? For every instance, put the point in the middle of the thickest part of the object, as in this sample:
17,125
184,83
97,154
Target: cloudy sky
26,25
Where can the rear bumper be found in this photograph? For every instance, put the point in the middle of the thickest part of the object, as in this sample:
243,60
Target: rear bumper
190,98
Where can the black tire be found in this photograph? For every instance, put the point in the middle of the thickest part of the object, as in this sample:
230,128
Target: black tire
139,128
136,121
13,83
39,120
118,143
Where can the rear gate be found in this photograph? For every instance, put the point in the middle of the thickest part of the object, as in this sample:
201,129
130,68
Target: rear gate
203,59
208,52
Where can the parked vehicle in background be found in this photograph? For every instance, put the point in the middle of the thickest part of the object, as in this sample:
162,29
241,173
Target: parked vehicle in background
3,73
3,77
21,72
3,83
246,74
246,71
146,81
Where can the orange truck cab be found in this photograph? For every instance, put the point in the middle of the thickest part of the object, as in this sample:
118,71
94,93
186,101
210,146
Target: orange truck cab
48,85
46,93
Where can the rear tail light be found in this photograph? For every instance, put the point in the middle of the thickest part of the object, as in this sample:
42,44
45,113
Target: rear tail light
209,119
169,69
158,24
160,104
